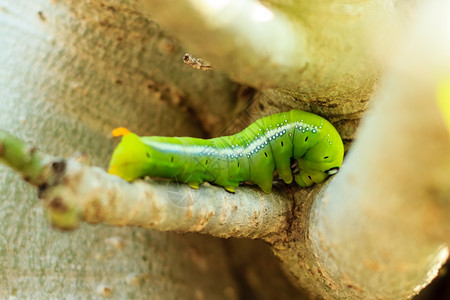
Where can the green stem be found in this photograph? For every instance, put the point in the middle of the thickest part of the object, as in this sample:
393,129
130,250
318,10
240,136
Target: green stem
30,163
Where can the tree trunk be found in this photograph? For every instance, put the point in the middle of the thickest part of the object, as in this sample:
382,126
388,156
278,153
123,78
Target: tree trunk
73,71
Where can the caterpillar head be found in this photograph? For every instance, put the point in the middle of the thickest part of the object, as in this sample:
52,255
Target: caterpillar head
320,161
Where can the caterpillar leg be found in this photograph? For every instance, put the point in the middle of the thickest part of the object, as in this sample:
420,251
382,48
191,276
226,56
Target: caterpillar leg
266,187
227,184
264,180
230,188
192,180
303,181
261,170
308,178
285,174
194,184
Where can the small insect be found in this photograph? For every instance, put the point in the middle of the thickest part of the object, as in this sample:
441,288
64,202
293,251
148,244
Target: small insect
252,155
196,63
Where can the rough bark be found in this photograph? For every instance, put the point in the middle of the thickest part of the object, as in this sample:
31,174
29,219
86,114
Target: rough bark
97,63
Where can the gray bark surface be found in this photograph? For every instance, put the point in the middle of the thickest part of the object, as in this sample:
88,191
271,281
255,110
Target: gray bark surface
73,71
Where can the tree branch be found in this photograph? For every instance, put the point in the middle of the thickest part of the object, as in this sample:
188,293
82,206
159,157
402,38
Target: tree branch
73,191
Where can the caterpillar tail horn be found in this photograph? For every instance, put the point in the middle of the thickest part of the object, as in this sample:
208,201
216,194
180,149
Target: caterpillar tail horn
120,131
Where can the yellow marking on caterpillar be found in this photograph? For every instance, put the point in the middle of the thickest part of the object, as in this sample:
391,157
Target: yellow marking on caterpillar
120,131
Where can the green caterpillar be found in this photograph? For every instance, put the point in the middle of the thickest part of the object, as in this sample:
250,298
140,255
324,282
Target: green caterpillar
249,156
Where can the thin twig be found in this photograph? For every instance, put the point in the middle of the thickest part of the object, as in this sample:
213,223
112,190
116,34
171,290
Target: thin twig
32,165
